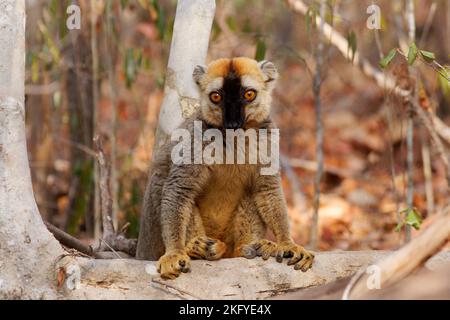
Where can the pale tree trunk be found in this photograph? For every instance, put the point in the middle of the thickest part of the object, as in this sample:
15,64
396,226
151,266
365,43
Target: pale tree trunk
27,249
191,31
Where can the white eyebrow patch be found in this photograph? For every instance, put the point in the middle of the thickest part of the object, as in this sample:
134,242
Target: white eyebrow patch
214,85
250,82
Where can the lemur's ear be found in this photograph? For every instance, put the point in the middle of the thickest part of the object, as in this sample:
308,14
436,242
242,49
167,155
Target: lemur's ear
269,71
199,72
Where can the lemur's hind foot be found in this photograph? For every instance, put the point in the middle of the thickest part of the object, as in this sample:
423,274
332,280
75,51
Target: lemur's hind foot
203,247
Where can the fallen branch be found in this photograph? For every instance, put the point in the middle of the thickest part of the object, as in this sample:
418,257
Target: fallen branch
401,263
69,241
73,243
236,278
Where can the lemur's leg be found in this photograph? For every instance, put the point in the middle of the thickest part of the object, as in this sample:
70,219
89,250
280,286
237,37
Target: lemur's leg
271,206
177,203
248,231
199,246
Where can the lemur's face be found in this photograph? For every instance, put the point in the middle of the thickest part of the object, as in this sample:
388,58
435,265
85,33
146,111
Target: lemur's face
236,93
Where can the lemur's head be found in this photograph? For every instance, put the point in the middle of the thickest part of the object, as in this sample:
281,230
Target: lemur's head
235,93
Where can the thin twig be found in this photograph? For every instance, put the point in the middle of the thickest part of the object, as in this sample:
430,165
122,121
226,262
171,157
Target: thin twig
113,131
426,160
427,121
180,293
111,248
376,33
410,121
112,239
428,22
317,83
75,144
105,195
95,99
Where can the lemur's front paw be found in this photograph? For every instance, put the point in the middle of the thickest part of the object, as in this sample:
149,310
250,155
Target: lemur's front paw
171,264
299,257
206,248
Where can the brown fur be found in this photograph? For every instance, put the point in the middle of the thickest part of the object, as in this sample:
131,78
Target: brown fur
214,211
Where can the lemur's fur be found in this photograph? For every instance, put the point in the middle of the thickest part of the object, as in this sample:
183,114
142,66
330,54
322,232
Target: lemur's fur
212,211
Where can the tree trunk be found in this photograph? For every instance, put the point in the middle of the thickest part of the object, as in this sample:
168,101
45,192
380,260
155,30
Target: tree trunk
27,249
191,31
80,105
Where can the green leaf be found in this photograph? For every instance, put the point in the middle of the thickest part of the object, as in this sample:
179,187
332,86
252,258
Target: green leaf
428,56
387,59
412,53
411,217
260,53
444,84
352,45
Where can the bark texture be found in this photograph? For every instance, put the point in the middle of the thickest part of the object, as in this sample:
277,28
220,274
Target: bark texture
237,278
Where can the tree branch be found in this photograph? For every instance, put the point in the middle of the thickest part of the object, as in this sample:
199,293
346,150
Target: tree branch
402,262
69,241
336,39
383,80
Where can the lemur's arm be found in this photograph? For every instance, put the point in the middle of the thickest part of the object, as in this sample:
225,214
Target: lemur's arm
269,200
179,192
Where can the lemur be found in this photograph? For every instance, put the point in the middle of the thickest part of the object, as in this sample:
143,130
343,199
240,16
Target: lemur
208,212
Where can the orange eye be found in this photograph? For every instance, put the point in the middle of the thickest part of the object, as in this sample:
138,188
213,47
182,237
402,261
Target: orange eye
249,95
215,97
